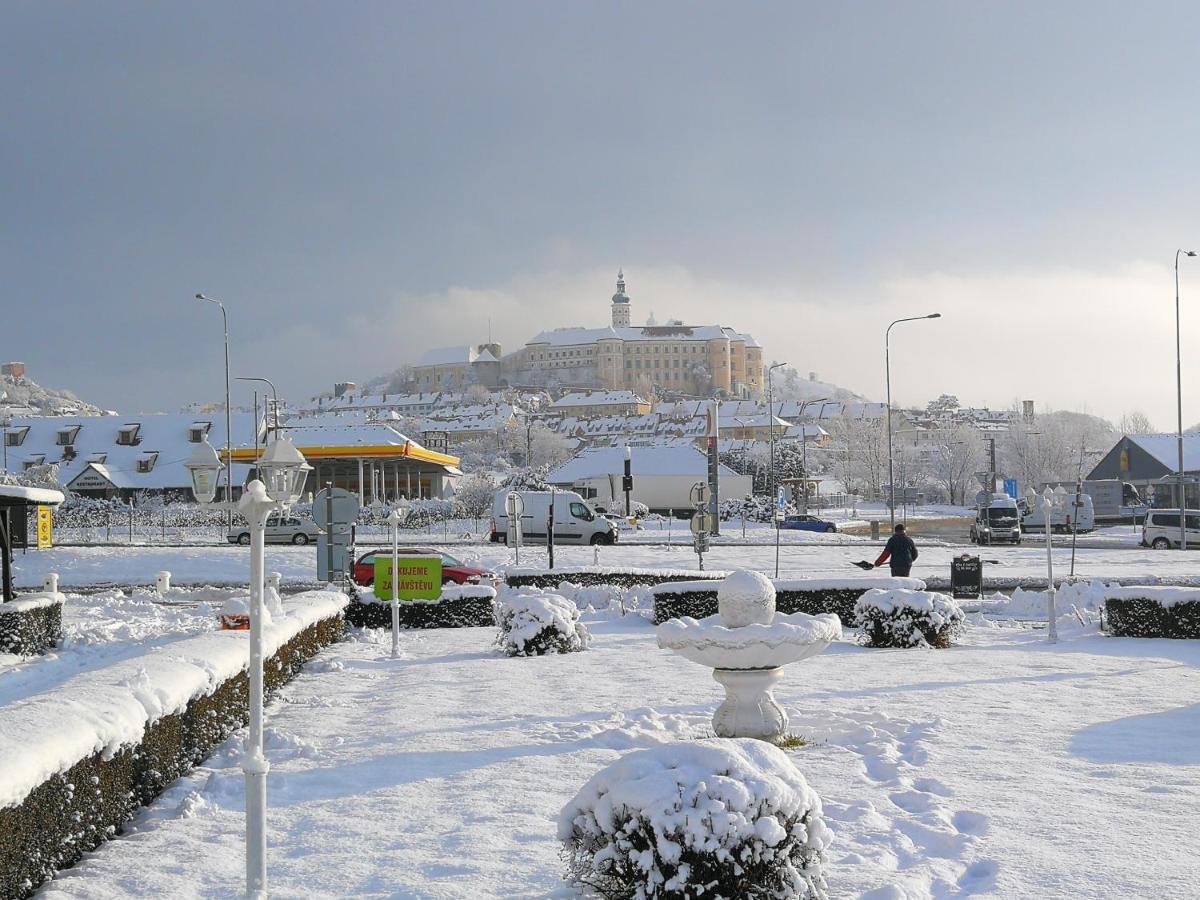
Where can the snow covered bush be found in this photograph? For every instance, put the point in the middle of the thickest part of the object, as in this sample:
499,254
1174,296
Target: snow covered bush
590,576
714,818
532,624
904,618
1166,612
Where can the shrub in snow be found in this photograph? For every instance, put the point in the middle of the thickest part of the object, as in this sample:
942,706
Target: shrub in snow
903,618
31,624
714,818
588,576
1166,612
811,596
465,606
533,624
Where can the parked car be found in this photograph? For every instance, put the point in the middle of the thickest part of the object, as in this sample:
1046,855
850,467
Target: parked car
280,530
454,571
1160,529
807,523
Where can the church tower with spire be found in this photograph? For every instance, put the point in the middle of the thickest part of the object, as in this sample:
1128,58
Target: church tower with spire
620,303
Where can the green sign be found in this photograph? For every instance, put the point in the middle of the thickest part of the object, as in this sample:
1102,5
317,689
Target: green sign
420,577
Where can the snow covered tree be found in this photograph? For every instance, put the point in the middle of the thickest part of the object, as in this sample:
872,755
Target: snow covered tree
473,497
953,465
1136,422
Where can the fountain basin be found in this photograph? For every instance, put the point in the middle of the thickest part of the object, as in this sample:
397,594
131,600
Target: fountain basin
786,639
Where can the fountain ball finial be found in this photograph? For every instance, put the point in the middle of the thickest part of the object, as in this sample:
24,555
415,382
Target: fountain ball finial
746,598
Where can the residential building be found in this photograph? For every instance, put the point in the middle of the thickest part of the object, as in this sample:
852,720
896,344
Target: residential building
590,404
453,368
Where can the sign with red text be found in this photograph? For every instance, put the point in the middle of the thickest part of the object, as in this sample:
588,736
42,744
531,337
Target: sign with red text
418,578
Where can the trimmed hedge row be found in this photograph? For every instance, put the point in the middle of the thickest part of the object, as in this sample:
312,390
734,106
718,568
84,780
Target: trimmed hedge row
623,578
77,810
1149,618
460,612
29,632
699,604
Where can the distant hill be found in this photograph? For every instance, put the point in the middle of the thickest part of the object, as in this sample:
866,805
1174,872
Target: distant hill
22,396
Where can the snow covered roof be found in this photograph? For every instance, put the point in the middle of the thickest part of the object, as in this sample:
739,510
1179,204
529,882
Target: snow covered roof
565,337
42,496
660,460
164,439
596,398
1165,449
452,356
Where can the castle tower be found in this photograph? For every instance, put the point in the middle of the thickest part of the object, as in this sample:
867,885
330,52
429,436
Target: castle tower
620,303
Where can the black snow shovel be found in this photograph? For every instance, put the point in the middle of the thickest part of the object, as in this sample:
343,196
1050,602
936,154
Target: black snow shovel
864,565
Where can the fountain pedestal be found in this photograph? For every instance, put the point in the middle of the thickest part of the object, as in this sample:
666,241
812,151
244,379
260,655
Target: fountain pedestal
750,709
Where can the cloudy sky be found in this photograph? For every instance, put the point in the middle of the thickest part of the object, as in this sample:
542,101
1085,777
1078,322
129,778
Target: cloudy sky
361,181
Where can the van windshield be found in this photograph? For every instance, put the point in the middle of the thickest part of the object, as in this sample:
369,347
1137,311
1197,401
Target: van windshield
1001,514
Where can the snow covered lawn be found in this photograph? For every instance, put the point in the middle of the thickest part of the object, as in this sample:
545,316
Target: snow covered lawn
1003,766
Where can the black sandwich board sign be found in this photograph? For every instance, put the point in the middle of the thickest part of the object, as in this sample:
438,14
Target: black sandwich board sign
966,577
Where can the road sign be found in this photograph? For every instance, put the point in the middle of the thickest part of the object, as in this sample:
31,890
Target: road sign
514,505
699,495
1010,487
335,511
781,501
45,527
699,523
966,577
420,577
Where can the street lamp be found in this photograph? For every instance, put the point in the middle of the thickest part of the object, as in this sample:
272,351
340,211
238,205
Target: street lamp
887,362
1049,501
274,402
283,472
228,415
1179,407
771,426
804,446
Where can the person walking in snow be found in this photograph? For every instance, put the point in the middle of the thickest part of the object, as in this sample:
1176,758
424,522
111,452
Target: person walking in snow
900,553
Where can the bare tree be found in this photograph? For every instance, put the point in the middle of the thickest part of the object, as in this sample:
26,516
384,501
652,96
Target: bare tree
473,497
1136,422
1048,449
953,465
865,441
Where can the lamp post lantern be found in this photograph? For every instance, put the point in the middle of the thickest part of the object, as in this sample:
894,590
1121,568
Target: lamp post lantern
283,472
1179,407
887,362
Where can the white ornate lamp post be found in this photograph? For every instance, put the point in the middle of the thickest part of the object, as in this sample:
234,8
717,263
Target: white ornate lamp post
283,472
395,518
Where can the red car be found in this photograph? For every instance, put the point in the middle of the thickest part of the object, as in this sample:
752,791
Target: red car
453,570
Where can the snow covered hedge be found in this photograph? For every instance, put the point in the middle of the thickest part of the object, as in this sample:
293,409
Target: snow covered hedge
532,624
712,818
590,576
812,596
1157,612
468,606
31,625
906,618
79,760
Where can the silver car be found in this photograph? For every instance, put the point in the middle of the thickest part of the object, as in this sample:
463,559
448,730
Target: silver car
280,530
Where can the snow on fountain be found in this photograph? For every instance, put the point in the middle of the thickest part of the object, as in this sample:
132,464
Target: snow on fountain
747,645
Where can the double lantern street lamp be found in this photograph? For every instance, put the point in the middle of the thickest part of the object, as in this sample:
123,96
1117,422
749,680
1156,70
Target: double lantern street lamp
282,472
395,519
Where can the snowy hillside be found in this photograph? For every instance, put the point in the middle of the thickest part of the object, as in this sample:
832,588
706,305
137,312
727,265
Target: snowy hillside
22,396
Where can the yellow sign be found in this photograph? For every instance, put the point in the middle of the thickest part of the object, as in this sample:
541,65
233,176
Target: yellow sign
45,527
420,577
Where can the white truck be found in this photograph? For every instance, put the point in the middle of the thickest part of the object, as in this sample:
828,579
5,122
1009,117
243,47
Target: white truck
997,520
1111,497
574,521
1065,517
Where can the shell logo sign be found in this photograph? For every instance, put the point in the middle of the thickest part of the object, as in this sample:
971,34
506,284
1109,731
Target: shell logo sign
1124,459
45,527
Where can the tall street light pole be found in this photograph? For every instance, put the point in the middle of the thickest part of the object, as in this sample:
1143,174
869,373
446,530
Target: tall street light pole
771,426
228,415
804,445
887,362
1179,407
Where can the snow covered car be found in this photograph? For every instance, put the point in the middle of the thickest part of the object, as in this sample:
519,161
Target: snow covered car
807,523
280,530
454,571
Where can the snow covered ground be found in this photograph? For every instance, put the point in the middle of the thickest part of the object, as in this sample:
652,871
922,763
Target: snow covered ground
1004,767
806,555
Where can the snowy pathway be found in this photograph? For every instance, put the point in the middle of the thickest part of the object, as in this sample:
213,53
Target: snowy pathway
1005,766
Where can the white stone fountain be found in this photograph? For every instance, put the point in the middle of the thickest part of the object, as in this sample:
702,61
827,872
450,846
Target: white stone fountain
747,645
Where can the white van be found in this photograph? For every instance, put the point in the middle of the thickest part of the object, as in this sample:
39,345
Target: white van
574,521
1062,518
1160,529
